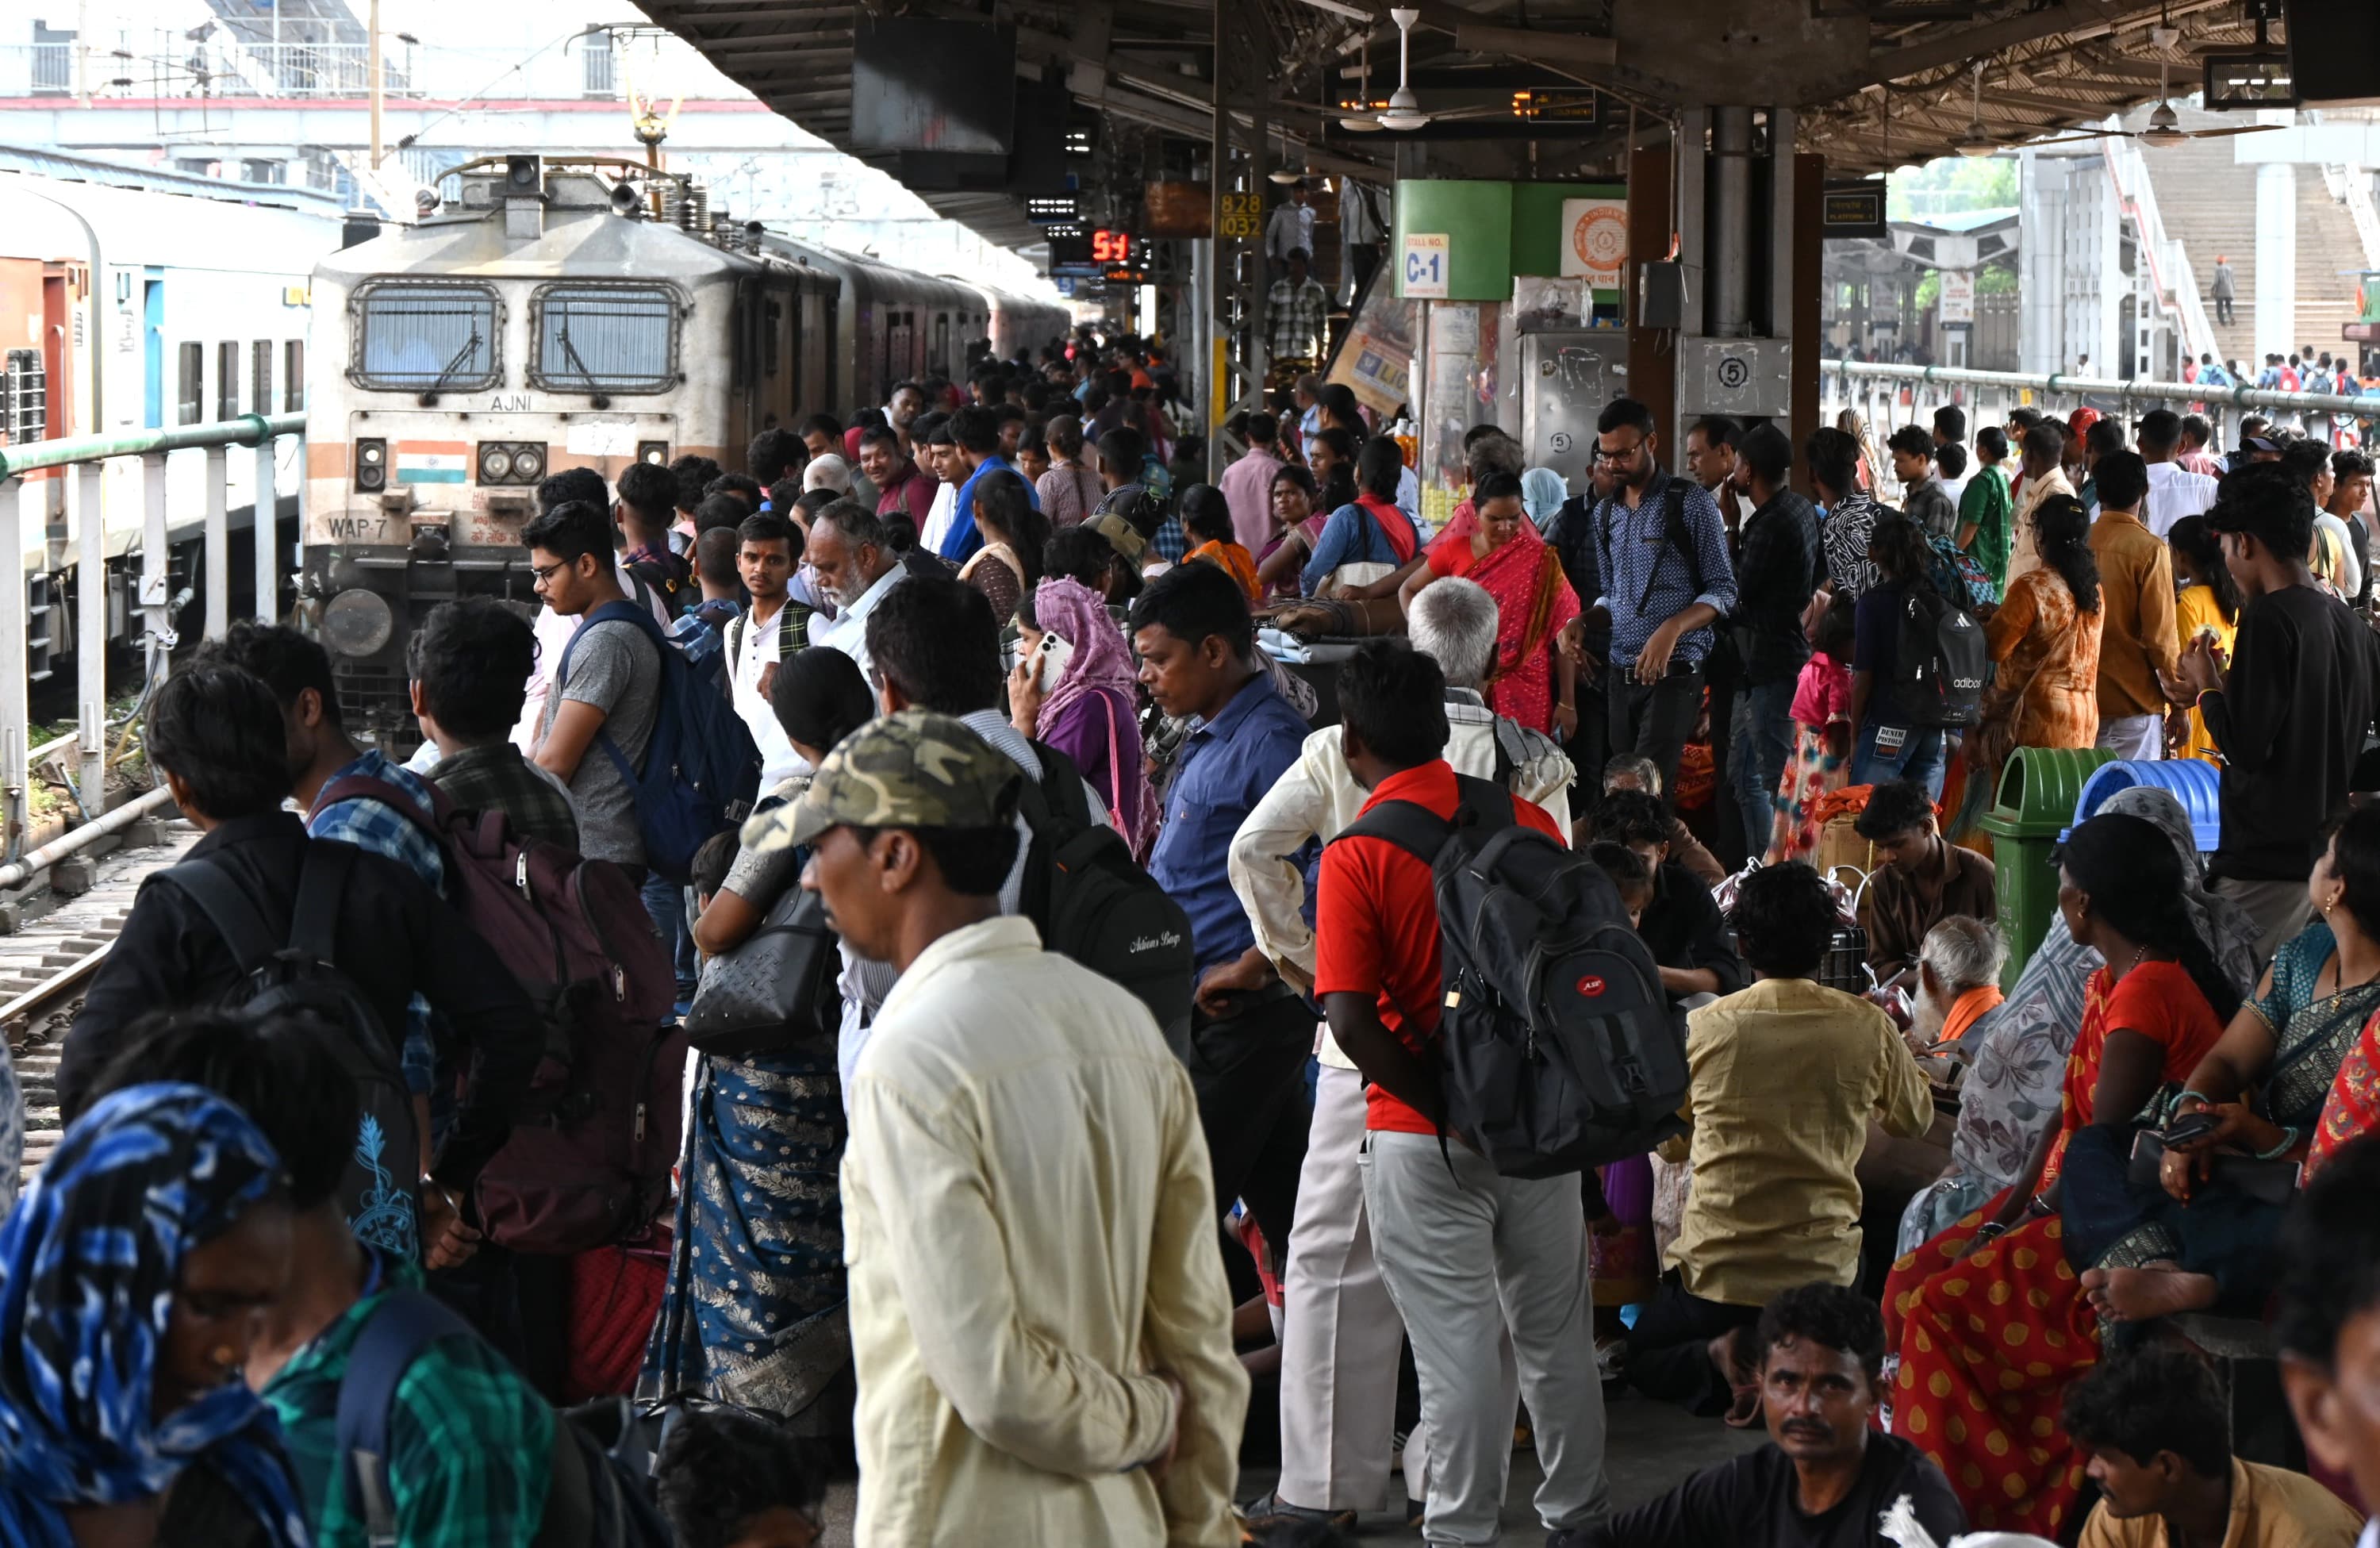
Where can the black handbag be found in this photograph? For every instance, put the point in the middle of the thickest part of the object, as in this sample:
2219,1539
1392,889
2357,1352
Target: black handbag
2268,1182
775,992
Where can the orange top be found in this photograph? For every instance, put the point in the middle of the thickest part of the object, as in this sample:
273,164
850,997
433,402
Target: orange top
1968,1009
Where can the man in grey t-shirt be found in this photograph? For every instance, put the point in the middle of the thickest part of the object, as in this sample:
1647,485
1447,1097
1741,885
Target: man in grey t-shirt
607,692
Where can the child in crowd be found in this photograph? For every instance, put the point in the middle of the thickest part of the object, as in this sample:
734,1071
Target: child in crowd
1628,873
1621,1262
707,872
1208,519
1822,724
731,1479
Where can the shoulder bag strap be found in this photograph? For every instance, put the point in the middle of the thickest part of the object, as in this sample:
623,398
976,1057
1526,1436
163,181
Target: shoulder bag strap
321,882
229,908
1411,827
1115,770
404,1324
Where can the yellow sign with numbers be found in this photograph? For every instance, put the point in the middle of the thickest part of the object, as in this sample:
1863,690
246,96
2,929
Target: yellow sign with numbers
1243,217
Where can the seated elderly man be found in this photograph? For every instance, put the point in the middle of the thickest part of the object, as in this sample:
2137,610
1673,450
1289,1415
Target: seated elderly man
1958,980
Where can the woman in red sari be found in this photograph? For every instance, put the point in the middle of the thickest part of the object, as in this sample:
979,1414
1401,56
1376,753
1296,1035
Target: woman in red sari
1533,683
1989,1320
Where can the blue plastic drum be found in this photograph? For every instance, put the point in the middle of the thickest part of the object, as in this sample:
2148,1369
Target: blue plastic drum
2196,783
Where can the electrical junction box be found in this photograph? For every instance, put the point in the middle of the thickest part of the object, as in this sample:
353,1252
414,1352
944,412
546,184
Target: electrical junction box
1744,378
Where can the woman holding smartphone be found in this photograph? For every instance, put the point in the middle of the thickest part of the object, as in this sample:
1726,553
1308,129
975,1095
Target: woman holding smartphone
1075,687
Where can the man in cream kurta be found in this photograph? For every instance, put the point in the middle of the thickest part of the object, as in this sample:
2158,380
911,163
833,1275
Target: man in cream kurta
1039,1320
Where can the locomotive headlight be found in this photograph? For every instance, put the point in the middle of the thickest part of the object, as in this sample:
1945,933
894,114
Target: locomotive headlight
495,465
372,465
358,623
529,464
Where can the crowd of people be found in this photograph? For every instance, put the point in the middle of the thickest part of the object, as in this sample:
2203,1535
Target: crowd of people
1070,1052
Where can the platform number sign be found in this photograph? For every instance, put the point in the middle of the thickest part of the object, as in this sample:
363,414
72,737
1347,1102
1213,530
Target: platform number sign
1428,263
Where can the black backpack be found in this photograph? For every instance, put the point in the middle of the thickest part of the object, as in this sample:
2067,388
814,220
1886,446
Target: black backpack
1093,903
1939,662
1559,1047
379,1194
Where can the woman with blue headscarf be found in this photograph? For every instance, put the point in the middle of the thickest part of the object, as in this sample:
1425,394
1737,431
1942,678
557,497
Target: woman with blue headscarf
131,1277
1543,491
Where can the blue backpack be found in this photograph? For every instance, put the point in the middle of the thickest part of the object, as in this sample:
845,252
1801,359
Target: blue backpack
700,764
598,1495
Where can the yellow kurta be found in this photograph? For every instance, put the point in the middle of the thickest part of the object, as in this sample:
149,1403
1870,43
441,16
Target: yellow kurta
2195,610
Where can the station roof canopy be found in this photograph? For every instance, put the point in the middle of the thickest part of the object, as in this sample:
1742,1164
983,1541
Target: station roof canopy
1877,83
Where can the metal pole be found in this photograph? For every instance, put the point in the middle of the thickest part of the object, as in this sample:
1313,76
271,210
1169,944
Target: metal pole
16,707
371,63
1730,238
218,555
153,578
267,531
91,634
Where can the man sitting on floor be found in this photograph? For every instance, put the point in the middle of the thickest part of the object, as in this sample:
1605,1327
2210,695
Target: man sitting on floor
1784,1077
1921,878
2154,1425
1827,1476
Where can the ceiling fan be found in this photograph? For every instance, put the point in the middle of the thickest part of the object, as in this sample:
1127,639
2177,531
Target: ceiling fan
2164,128
1403,111
1973,141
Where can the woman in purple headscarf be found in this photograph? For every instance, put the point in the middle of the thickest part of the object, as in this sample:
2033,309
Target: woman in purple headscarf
1075,687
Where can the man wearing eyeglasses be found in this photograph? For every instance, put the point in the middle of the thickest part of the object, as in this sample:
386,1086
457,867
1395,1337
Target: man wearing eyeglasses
1661,551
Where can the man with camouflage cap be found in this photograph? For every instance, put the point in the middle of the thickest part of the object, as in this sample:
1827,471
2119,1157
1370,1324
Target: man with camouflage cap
1039,1315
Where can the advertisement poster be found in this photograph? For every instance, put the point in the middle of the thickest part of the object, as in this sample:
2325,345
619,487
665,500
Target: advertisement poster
1595,241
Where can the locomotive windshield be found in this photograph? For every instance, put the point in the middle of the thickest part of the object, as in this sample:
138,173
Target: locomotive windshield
415,338
605,338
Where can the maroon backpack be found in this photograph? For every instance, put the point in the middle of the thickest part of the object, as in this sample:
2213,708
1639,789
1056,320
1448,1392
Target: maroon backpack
589,1161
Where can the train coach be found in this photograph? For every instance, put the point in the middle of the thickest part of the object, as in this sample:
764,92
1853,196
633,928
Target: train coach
557,313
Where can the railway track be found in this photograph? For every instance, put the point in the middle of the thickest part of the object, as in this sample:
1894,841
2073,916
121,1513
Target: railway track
45,965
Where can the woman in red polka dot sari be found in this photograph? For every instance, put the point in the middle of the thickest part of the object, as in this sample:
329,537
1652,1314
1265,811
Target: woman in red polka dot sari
1989,1318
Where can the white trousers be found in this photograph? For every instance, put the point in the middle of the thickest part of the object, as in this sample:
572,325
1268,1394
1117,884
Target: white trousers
1470,1258
1341,1336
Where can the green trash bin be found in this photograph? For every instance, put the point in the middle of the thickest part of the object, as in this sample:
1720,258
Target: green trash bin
2039,789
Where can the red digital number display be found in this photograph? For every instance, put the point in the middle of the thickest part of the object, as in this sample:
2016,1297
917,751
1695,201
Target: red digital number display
1111,247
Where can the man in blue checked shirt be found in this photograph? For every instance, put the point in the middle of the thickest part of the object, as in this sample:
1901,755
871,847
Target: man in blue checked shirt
1661,550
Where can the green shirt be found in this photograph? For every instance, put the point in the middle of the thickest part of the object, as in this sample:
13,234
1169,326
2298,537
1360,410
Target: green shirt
471,1443
1985,506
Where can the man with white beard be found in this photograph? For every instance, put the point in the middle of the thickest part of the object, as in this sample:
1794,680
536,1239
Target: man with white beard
1958,980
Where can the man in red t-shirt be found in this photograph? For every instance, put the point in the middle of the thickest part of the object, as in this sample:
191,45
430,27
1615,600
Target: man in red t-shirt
1468,1256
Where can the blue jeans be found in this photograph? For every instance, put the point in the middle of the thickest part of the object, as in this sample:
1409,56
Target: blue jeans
1760,739
1908,754
665,902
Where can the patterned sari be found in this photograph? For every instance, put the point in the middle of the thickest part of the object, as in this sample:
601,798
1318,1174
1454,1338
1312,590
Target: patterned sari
755,1312
2353,1110
2222,1231
2046,693
1533,602
1987,1341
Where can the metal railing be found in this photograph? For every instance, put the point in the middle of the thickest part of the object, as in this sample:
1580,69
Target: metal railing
88,456
1875,389
2352,186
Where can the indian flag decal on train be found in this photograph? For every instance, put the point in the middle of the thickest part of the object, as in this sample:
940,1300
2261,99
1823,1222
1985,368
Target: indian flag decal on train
433,462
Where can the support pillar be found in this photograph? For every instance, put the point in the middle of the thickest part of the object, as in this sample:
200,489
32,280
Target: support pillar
2277,260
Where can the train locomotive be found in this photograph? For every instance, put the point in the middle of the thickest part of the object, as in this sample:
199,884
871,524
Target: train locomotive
556,313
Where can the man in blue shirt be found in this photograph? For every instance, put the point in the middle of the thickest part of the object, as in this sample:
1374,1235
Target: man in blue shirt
1661,550
1250,1033
976,430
